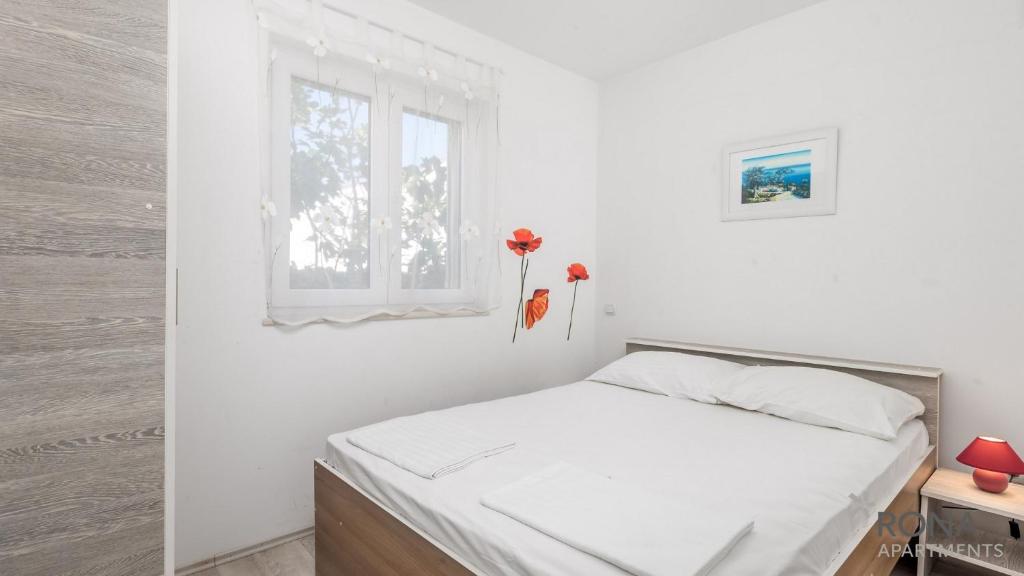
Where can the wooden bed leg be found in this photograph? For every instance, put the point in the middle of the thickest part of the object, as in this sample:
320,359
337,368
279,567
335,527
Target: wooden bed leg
924,558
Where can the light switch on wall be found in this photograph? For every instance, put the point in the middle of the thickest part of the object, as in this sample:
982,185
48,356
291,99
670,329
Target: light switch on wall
609,309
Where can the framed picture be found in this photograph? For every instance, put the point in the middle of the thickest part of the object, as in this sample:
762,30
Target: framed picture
782,177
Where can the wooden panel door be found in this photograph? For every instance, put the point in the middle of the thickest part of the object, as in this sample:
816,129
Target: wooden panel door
82,232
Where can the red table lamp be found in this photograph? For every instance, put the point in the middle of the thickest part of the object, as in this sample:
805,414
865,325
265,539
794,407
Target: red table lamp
992,460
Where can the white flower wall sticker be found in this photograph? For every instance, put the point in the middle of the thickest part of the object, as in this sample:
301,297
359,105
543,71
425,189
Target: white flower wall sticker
267,208
467,96
325,217
319,45
325,222
469,232
428,224
378,61
382,225
428,73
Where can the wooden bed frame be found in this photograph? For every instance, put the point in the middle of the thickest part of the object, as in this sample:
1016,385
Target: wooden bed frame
358,536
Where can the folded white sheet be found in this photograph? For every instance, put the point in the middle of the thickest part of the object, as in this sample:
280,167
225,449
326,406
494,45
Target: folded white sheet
428,445
620,524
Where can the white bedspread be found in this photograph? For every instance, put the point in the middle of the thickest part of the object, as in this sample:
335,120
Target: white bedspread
794,480
428,445
629,526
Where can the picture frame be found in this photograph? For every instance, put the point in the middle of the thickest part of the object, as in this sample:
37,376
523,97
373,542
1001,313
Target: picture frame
781,177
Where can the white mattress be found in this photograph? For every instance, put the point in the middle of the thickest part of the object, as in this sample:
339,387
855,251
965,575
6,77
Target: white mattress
794,479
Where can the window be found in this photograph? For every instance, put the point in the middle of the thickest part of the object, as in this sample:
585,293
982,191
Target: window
371,172
329,241
430,203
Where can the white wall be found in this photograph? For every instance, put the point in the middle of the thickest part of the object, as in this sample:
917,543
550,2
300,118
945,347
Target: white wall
255,404
922,264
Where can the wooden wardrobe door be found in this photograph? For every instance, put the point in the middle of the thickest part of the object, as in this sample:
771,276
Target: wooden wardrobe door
82,232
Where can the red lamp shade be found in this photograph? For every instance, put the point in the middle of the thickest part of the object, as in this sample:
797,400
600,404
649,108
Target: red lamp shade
992,459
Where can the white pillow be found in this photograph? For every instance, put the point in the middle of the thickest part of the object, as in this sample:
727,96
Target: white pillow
670,373
822,398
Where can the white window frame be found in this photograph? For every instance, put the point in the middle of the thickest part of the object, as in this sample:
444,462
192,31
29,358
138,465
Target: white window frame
385,189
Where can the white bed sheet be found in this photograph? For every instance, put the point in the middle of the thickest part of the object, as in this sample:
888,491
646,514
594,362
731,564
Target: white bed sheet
794,479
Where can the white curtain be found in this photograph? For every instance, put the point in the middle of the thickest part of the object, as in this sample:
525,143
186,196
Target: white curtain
379,170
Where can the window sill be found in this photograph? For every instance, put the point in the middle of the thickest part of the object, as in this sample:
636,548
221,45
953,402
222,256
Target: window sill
414,315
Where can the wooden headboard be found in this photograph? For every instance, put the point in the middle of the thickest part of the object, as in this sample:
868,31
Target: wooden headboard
918,381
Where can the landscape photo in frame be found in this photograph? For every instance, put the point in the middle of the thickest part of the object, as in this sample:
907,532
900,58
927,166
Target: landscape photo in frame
776,178
781,177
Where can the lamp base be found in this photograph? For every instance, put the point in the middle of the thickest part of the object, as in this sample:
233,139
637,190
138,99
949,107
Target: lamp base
989,481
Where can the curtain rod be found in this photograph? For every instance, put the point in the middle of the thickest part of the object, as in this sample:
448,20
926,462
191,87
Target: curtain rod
330,6
311,8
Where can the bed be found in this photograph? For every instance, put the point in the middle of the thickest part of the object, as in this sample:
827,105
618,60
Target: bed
814,491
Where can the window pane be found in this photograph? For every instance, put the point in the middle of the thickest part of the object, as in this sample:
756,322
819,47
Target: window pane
429,202
330,188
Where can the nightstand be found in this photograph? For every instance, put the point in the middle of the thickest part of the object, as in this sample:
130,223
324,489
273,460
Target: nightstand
957,488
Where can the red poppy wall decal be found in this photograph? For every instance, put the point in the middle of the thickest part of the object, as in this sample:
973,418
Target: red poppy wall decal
536,307
523,243
576,272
